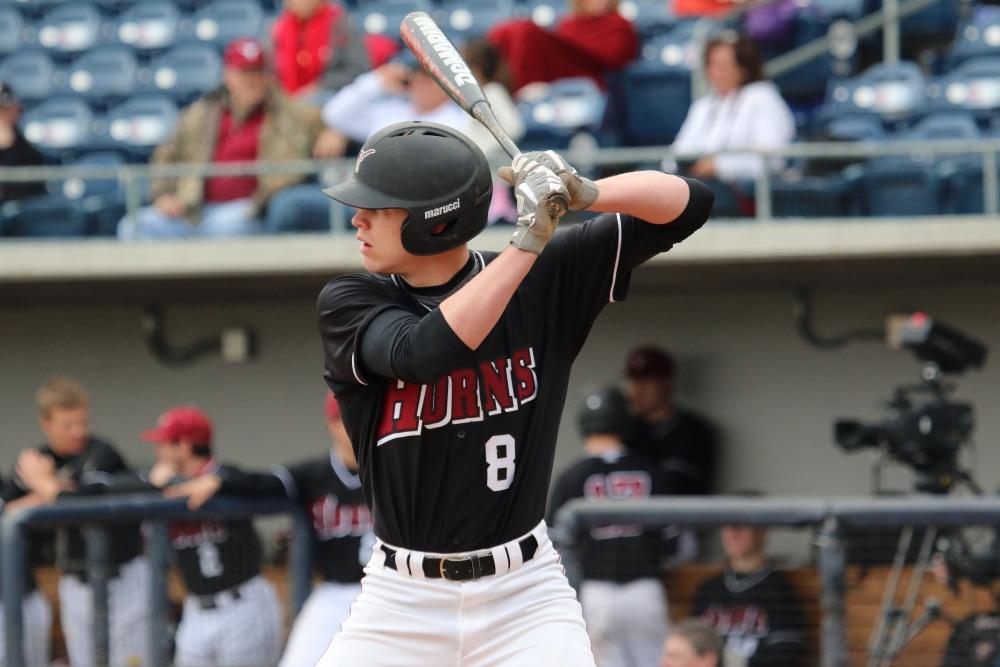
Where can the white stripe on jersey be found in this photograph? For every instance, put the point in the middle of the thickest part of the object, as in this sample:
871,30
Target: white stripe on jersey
618,254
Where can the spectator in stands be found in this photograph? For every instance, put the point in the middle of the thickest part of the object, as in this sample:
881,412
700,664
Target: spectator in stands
15,150
622,596
37,612
247,119
590,41
742,111
708,8
681,442
71,458
316,50
754,608
692,643
329,489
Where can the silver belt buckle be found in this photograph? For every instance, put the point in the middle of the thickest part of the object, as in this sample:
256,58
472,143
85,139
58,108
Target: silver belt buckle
454,560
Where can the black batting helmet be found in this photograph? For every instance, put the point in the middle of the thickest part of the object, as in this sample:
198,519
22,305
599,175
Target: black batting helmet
438,175
604,411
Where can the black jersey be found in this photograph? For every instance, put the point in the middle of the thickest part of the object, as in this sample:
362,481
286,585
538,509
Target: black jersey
464,463
617,552
342,524
215,555
98,463
757,615
683,446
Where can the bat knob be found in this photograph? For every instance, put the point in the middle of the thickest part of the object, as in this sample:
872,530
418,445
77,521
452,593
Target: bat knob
557,206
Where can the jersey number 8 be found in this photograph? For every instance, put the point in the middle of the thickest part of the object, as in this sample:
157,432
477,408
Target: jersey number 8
500,462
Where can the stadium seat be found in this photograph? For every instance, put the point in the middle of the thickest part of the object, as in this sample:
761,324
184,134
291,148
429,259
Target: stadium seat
944,125
463,19
900,187
566,109
47,216
979,35
186,72
32,74
805,84
382,17
650,17
840,9
894,92
11,29
936,22
546,13
103,76
139,124
973,86
59,126
149,26
851,127
69,29
222,21
810,197
102,199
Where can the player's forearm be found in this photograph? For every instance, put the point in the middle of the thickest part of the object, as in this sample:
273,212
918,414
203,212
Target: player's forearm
648,195
474,310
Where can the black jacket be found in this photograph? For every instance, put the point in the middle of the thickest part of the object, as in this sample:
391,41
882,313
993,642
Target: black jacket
20,154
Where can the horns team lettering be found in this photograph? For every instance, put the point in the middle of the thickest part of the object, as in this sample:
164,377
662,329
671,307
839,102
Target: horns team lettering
464,395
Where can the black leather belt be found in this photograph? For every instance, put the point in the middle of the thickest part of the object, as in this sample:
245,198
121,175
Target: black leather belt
464,568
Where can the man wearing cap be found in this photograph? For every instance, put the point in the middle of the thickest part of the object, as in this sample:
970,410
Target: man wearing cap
329,489
681,442
15,150
246,120
231,615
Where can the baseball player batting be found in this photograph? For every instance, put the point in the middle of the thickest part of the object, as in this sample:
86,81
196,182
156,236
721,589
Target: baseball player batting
451,368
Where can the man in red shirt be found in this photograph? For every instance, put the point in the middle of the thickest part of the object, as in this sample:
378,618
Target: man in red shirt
246,120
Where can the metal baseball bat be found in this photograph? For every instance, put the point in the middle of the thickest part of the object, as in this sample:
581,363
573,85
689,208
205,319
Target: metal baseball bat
439,58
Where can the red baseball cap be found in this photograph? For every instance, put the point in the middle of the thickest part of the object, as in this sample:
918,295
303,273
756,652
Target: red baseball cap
245,53
332,407
181,422
649,362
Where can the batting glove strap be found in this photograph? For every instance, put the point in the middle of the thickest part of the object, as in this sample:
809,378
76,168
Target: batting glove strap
533,190
582,191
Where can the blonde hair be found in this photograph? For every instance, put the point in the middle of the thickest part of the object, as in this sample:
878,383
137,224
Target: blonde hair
60,393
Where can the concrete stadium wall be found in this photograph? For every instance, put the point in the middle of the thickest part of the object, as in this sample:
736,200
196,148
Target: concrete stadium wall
742,364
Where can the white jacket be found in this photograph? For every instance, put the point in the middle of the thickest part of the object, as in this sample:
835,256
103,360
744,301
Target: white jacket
752,117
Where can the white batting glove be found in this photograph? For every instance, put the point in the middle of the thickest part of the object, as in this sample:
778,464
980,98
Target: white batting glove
582,191
534,188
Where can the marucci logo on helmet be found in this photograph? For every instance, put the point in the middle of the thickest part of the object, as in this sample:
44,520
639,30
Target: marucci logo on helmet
441,210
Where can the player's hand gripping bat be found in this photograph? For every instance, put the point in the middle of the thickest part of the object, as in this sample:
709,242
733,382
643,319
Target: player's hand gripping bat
439,58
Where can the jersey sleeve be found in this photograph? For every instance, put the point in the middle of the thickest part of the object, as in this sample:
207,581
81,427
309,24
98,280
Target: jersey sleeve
346,307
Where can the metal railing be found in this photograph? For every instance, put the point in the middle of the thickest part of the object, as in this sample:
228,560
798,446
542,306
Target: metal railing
829,517
95,515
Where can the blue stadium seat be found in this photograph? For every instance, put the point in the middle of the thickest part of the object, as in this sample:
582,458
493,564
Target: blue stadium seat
973,86
31,74
139,124
69,29
650,17
104,75
894,92
102,199
944,125
222,21
59,126
47,216
851,127
11,29
186,72
382,17
568,107
463,19
149,26
836,9
806,83
979,35
810,197
900,187
937,21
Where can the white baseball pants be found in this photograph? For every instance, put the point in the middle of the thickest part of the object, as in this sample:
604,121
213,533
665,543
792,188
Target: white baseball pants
129,617
526,615
244,632
37,631
627,622
327,608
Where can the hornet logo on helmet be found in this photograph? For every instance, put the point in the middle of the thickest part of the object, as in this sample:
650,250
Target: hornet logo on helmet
361,156
441,210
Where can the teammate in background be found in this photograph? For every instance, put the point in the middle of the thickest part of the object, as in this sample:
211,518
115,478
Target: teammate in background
231,616
755,609
623,599
681,442
330,490
36,608
451,368
692,643
72,458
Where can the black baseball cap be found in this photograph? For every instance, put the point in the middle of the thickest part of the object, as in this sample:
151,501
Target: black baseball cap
649,362
7,96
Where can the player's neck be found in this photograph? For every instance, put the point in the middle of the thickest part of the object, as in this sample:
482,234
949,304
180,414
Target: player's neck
600,444
435,270
747,564
660,413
